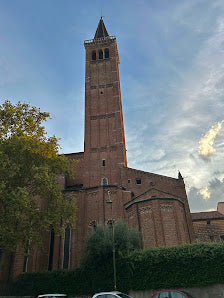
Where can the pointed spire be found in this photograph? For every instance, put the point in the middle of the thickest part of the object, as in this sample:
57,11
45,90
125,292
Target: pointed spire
101,30
180,176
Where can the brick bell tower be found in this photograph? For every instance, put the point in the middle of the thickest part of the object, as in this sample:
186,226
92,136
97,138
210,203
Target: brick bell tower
104,147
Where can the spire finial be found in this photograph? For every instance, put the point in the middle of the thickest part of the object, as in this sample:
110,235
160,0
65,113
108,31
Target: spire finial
101,14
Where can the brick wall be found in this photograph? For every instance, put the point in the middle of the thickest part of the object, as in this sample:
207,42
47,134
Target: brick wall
209,230
162,221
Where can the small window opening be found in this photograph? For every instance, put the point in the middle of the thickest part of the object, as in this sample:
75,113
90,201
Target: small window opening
129,180
93,224
104,181
104,163
94,55
208,222
101,92
100,54
106,52
138,181
221,237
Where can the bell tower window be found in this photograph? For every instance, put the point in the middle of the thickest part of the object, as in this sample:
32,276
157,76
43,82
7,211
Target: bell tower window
93,55
106,52
100,54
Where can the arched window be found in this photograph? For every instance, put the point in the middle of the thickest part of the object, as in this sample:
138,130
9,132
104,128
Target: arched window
106,53
100,54
93,55
104,181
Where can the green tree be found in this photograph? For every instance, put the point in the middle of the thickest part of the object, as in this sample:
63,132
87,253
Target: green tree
31,199
99,244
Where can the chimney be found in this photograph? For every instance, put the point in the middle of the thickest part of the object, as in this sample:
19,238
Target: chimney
220,207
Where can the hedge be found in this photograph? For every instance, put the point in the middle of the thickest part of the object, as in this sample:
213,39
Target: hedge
155,268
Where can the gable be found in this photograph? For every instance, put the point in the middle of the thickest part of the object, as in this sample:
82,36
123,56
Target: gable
153,193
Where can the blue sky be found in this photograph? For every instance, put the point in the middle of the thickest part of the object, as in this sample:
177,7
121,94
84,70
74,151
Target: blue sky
171,71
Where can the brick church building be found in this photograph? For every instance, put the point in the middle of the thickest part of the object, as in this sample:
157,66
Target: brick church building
154,204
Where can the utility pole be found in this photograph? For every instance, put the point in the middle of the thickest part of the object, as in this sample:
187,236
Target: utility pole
109,201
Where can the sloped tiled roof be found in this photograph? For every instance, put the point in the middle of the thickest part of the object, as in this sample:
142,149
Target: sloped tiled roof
101,30
207,215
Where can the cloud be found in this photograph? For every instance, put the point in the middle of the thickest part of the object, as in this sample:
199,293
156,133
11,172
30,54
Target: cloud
215,189
175,113
206,144
205,193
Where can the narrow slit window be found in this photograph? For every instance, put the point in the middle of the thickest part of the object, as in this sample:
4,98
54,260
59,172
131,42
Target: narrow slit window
93,55
107,55
100,54
129,180
66,248
51,250
25,264
103,162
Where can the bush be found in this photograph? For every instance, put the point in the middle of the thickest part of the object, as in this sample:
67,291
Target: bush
155,268
180,266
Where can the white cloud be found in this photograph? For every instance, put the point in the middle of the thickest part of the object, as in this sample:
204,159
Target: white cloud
205,193
206,144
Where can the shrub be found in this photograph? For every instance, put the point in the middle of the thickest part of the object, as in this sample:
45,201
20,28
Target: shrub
155,268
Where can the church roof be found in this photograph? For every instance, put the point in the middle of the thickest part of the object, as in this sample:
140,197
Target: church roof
101,30
206,215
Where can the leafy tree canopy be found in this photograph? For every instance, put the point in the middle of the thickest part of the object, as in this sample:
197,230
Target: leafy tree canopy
30,196
99,244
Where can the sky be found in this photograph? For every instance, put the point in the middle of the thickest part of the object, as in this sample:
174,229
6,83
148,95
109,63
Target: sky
171,71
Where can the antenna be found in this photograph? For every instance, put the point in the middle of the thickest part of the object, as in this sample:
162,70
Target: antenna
101,14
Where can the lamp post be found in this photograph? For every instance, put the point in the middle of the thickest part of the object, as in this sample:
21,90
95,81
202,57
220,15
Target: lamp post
109,201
